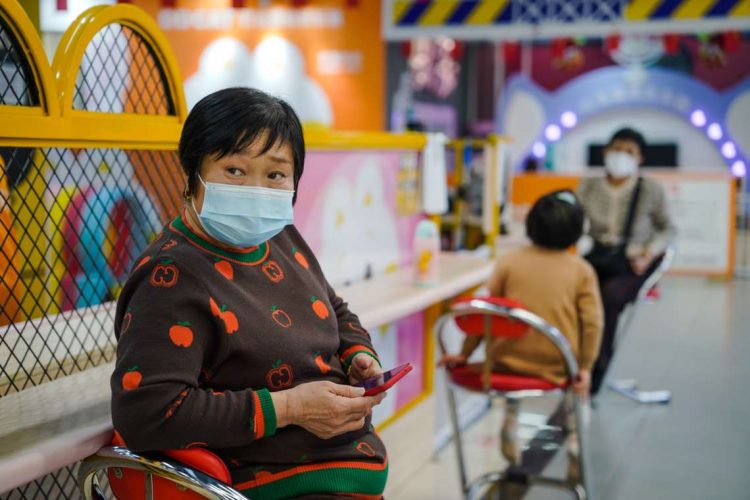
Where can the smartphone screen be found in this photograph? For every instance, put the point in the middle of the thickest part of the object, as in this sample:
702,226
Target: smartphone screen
385,380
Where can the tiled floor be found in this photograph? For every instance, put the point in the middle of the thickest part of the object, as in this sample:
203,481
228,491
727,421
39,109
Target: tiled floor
695,341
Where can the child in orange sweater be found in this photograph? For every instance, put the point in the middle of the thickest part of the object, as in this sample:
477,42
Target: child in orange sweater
554,284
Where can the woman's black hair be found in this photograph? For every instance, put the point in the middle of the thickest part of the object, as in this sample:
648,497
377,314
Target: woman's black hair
556,220
631,135
229,120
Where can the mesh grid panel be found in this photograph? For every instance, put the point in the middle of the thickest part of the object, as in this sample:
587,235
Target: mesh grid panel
17,87
60,485
73,221
70,231
119,73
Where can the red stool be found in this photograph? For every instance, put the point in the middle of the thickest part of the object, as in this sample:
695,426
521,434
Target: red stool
191,474
495,317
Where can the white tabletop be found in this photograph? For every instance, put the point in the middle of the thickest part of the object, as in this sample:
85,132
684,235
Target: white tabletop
391,296
58,423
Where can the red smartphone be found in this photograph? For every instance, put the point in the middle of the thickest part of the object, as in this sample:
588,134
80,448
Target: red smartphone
384,381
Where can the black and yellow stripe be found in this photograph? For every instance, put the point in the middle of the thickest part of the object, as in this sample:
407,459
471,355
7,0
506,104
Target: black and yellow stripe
431,13
644,10
451,12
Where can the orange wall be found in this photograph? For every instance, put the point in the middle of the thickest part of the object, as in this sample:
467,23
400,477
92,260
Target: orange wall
357,99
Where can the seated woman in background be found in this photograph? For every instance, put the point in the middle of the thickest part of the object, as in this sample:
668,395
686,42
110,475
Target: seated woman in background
554,284
630,228
230,337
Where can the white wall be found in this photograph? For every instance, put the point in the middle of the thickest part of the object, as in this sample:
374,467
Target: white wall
695,150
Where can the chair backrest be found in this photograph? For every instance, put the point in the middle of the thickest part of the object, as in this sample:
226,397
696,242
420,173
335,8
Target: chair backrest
500,326
479,308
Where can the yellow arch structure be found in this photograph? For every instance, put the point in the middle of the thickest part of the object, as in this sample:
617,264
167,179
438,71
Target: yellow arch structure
55,122
30,45
120,129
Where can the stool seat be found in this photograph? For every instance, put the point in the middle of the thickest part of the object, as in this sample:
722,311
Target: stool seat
470,377
129,484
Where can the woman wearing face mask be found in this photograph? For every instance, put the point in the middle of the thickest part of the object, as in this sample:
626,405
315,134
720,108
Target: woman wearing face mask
230,337
630,228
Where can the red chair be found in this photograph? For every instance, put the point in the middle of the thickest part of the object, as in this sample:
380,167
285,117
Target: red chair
191,474
505,318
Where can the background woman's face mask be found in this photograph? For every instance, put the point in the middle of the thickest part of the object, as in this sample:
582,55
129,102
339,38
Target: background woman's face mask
620,164
244,216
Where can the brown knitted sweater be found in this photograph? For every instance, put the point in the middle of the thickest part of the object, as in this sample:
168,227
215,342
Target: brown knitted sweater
205,334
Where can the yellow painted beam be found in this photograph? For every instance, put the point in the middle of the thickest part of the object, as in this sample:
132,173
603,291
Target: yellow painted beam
399,9
486,12
321,138
741,9
692,9
639,10
438,12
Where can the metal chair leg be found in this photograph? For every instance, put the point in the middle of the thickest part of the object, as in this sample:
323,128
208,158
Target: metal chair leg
581,487
629,388
457,442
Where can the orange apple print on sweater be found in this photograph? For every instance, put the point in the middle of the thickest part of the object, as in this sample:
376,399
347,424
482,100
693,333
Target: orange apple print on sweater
319,308
279,376
323,366
175,404
165,274
281,317
231,325
300,258
225,269
181,334
132,379
126,320
169,244
142,262
364,448
272,271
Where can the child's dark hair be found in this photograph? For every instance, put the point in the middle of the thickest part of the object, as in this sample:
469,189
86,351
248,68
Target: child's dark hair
229,120
556,220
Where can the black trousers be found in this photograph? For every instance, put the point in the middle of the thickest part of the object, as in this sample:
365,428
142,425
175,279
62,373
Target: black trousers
617,292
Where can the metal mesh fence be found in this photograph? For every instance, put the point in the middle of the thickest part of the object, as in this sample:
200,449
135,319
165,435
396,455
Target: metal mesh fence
17,86
119,73
61,484
71,227
73,221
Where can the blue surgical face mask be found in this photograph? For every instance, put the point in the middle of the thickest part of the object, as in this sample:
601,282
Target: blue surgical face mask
244,216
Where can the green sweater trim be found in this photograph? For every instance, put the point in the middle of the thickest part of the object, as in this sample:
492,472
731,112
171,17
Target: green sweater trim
348,361
252,256
327,481
269,412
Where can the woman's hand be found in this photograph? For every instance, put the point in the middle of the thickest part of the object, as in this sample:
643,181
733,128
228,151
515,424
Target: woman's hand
582,383
324,408
362,368
640,265
452,360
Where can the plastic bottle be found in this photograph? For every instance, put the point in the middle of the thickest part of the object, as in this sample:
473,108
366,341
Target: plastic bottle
426,253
